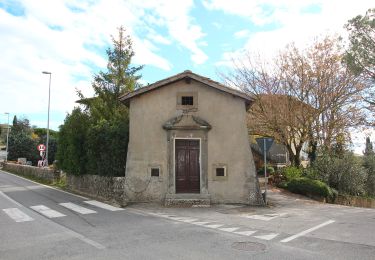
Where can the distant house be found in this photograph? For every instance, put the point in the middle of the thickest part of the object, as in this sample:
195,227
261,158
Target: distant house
188,142
277,156
284,118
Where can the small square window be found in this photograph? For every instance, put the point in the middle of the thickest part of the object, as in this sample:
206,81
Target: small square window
220,172
154,172
187,100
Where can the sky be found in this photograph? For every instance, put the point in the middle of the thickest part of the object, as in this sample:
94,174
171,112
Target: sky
69,38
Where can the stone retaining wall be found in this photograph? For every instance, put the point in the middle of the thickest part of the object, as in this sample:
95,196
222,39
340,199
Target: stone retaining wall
44,174
104,188
355,201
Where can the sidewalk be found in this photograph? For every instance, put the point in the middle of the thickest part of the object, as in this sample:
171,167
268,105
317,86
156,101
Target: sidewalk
281,202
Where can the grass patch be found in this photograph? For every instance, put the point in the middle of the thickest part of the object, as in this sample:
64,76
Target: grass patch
61,183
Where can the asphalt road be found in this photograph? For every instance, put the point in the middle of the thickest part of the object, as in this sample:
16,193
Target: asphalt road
37,222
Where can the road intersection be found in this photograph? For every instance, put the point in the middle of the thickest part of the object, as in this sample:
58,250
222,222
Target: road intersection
38,222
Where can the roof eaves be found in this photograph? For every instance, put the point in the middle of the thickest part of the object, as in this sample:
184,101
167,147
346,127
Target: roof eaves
249,99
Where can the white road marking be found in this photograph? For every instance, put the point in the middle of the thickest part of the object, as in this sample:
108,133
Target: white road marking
10,199
200,223
267,237
213,226
307,231
17,215
229,229
49,213
77,208
84,239
265,217
102,205
189,220
176,218
245,233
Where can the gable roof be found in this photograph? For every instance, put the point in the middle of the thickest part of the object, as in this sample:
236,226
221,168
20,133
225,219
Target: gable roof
187,74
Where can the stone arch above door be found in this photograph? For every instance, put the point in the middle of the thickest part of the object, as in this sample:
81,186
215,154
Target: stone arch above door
187,126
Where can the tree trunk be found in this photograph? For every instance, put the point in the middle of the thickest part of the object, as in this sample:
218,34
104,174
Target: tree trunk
294,158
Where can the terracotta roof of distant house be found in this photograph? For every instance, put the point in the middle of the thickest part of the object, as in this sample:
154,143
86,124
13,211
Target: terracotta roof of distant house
187,74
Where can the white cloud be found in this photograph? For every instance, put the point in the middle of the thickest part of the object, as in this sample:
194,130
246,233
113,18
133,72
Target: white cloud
294,22
64,36
359,139
175,16
242,34
260,12
152,35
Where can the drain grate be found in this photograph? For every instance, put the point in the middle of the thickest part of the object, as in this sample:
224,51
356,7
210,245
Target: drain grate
249,246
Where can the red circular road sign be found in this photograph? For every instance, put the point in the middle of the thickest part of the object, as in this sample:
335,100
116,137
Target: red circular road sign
41,147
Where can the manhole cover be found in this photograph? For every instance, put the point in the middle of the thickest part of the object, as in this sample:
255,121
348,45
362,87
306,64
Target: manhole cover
249,246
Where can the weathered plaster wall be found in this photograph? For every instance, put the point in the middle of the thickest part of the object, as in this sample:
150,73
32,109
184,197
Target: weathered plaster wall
102,187
227,142
45,174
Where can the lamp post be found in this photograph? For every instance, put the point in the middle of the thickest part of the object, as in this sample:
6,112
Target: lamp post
6,156
49,97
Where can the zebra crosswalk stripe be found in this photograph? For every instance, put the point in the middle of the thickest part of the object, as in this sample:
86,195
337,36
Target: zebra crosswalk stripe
267,237
245,233
77,208
17,215
49,213
102,205
229,229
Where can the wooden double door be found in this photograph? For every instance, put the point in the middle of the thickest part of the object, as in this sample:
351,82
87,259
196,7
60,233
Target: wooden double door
187,168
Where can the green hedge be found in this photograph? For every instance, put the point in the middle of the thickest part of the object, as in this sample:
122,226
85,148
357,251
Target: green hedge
311,188
270,171
291,173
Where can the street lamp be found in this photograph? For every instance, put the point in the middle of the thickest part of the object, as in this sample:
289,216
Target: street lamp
49,97
6,156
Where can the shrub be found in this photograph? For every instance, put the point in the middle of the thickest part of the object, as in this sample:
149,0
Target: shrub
344,174
270,171
369,164
282,184
292,172
113,134
311,188
71,154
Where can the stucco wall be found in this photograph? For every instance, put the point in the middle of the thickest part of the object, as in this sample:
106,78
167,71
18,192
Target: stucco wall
227,142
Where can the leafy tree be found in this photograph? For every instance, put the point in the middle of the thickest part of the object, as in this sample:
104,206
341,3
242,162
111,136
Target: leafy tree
105,139
71,154
15,121
119,78
107,147
345,174
21,142
301,96
369,164
42,132
368,149
361,54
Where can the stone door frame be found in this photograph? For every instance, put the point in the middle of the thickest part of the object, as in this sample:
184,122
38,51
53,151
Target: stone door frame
200,159
203,154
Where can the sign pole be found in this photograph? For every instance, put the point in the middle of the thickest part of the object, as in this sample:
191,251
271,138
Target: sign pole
265,144
265,171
